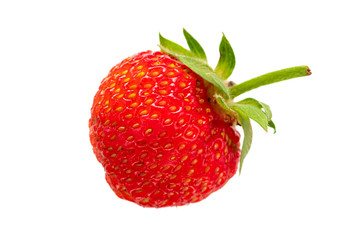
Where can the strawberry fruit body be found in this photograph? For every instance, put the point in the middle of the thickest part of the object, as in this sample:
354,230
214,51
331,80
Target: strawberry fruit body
157,135
165,134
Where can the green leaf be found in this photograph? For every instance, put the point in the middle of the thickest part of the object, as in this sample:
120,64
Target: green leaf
223,104
246,125
251,101
272,125
254,112
226,63
267,110
195,46
258,104
194,63
175,48
264,106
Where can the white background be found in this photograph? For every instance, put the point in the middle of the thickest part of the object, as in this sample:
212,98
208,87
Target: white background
301,183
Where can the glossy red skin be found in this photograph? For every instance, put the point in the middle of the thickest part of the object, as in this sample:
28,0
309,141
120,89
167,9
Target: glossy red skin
190,151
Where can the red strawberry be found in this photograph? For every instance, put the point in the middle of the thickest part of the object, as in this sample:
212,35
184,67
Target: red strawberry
163,123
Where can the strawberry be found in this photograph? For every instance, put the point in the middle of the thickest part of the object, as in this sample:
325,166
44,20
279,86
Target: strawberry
163,124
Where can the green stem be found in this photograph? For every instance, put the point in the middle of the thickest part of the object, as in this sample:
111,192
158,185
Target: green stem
269,78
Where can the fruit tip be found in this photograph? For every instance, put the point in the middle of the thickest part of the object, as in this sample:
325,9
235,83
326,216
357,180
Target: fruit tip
308,71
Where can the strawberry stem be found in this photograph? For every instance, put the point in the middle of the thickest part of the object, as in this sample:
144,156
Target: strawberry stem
269,78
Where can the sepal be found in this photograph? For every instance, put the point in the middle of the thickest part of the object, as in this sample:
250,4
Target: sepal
247,109
226,63
195,46
174,48
272,125
245,123
257,111
195,63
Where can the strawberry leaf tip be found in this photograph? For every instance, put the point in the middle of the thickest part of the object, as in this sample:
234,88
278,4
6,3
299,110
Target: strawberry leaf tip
222,93
226,63
194,46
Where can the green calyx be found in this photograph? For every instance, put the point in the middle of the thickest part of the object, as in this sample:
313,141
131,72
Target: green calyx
243,110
